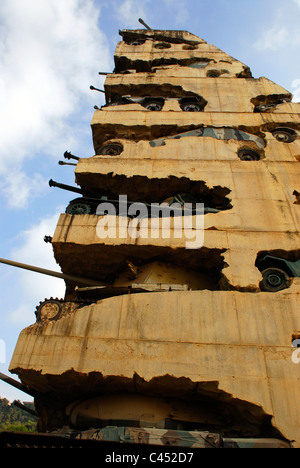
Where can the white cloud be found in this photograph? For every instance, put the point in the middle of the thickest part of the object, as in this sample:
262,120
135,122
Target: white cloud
19,187
282,30
50,53
129,11
273,39
179,7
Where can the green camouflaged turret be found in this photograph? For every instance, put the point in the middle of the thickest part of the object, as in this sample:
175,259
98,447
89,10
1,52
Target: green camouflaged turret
174,438
222,133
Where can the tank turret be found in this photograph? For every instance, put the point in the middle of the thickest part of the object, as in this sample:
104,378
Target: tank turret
43,271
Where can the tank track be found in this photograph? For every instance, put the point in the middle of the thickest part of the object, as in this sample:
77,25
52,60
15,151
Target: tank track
37,440
54,308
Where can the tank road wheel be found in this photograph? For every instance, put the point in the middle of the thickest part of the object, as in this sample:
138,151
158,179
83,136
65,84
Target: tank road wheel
78,208
274,280
111,149
246,154
154,105
48,310
283,135
162,45
191,107
137,42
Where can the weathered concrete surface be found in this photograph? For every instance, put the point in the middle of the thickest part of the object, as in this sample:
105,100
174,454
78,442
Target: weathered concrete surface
222,95
181,46
194,148
135,123
238,248
240,340
269,185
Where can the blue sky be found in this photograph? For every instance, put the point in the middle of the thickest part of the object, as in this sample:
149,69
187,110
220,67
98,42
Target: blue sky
50,53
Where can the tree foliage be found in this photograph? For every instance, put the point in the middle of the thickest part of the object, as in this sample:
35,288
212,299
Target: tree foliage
13,418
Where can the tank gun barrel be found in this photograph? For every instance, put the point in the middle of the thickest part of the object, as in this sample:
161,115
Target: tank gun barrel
68,155
16,384
97,89
52,183
63,163
144,24
24,408
43,271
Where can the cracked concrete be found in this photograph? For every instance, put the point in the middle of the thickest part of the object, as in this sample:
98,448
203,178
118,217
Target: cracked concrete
222,348
236,354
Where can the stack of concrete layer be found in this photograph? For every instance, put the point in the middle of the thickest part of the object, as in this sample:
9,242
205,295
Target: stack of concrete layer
170,103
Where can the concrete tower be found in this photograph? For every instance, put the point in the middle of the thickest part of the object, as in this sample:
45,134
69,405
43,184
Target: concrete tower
186,326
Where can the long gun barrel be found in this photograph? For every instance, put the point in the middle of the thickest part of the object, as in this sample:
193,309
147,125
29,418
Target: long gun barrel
68,155
96,89
16,384
52,183
43,271
62,163
25,408
144,24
